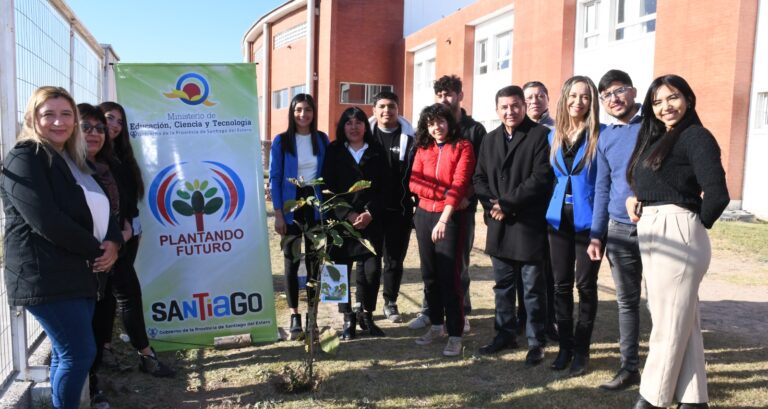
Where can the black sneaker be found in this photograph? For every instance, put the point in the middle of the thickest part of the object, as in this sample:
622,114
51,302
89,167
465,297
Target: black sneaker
391,312
151,365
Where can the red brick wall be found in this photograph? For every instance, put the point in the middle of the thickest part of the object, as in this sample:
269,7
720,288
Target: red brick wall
288,67
454,47
544,43
711,45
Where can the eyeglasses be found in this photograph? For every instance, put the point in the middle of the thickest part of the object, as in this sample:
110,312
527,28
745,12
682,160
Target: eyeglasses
534,97
614,93
86,127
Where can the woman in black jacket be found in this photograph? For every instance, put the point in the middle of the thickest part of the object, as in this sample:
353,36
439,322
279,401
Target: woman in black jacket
352,157
124,282
677,176
58,232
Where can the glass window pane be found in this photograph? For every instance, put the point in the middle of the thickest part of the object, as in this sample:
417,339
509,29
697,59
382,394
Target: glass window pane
649,26
620,11
648,7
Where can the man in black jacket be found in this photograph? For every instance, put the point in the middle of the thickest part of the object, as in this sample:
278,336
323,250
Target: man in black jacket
448,91
395,134
512,180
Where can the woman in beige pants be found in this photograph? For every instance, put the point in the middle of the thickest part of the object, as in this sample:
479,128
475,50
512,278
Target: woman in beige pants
679,183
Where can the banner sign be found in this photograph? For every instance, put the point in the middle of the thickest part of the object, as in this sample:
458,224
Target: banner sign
203,261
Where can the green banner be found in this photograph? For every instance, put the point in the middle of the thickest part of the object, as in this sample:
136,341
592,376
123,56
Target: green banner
203,260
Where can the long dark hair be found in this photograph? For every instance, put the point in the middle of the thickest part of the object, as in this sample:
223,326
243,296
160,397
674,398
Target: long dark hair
429,114
122,147
87,112
288,140
652,129
359,114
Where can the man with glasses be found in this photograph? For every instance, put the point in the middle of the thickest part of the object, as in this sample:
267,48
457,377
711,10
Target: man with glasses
610,221
537,99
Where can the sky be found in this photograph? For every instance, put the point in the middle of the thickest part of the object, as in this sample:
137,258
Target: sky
172,31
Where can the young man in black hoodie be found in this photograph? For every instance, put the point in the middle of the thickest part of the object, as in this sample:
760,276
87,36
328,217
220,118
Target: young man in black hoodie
395,134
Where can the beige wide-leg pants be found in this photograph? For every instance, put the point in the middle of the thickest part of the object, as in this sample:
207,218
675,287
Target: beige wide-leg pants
676,252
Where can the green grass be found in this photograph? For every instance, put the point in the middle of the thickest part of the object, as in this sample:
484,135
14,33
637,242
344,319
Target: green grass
747,239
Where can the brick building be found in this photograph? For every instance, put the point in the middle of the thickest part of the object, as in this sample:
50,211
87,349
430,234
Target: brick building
350,49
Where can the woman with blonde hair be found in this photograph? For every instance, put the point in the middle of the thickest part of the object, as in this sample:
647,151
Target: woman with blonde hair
573,156
58,232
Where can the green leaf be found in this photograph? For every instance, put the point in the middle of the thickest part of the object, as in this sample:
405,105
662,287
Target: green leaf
338,241
293,205
296,182
198,202
197,185
210,192
204,185
214,205
351,230
287,239
327,192
367,244
182,194
359,185
329,342
189,186
182,207
333,272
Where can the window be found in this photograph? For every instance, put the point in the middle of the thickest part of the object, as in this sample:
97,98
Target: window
590,23
634,18
761,111
280,99
482,56
296,90
355,93
290,35
503,50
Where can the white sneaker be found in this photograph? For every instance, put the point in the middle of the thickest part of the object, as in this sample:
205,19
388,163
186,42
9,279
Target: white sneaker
453,347
421,321
466,325
434,332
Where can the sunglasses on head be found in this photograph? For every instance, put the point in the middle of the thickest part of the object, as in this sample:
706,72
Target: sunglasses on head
86,127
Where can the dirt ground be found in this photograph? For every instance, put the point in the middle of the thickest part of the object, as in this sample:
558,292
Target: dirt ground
393,373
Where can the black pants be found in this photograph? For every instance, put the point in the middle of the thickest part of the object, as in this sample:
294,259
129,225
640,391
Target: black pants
441,264
367,279
568,253
546,268
397,235
124,295
291,246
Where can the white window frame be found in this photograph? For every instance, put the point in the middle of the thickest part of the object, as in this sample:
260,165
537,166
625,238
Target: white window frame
761,111
499,58
590,36
634,25
280,99
481,48
298,89
368,93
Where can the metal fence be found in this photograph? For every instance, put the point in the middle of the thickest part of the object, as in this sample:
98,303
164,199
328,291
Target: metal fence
42,44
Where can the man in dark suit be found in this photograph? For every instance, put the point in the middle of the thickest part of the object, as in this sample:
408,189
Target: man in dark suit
512,181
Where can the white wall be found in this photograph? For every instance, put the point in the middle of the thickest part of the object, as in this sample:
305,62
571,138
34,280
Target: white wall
423,79
421,13
634,56
755,194
486,85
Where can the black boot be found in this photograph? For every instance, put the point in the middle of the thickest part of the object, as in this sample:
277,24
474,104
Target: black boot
641,403
349,330
295,326
360,318
562,361
373,330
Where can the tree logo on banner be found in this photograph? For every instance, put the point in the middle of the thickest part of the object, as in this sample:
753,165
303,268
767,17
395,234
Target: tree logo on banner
192,89
196,197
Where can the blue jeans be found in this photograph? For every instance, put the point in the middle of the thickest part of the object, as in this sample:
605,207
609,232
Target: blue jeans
68,325
505,272
627,269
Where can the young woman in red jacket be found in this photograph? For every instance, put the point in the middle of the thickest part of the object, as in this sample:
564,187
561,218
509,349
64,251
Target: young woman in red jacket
442,178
